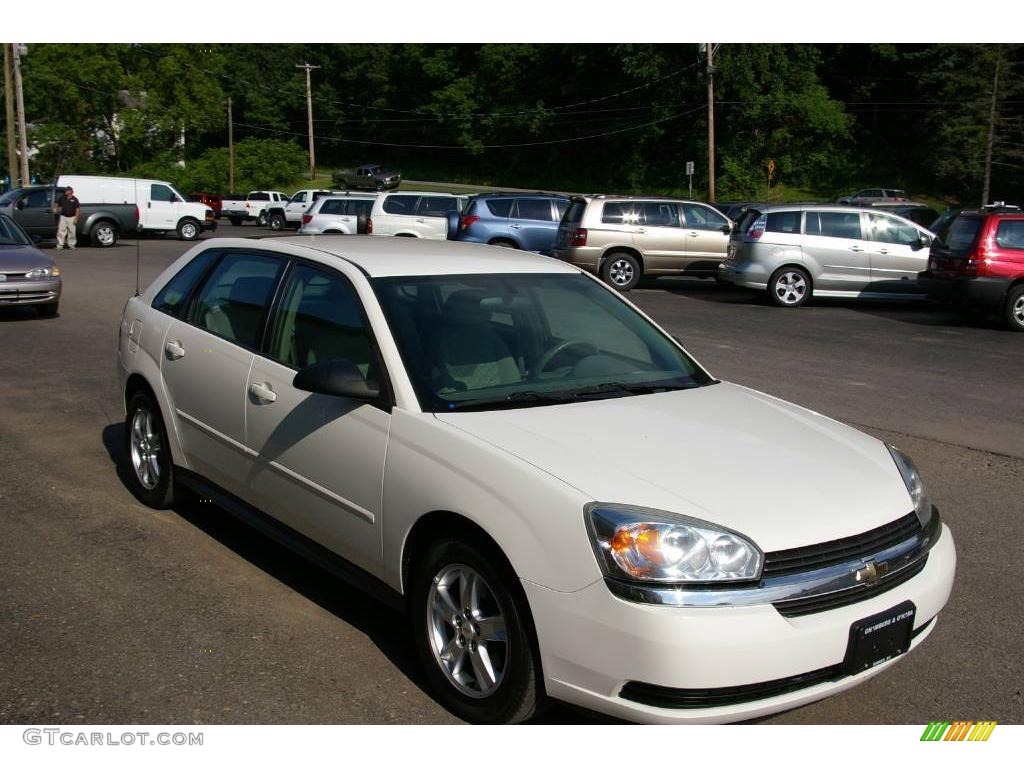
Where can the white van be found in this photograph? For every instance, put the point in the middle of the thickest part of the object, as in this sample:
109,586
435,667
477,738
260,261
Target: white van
161,207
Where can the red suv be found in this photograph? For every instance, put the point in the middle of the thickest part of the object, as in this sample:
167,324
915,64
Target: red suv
980,264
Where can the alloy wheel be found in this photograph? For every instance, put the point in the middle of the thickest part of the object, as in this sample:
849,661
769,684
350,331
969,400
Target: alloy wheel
621,272
790,287
466,629
1018,310
145,449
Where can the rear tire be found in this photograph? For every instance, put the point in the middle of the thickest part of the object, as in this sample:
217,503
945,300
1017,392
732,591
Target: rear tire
475,643
621,271
151,470
104,235
789,287
262,219
277,222
1013,311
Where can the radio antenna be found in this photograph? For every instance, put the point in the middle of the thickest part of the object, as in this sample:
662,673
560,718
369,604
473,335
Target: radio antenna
137,261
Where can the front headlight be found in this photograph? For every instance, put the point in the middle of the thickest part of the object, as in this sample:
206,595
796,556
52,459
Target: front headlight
915,485
35,274
642,544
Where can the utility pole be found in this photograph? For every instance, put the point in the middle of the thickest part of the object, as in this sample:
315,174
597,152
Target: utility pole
711,122
231,151
20,103
12,152
309,110
991,130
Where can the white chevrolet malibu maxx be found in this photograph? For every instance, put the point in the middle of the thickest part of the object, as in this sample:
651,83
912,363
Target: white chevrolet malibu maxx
561,499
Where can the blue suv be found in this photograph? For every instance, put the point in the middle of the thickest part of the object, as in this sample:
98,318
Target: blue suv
527,220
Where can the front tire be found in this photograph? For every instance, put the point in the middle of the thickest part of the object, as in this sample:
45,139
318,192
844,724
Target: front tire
188,229
1013,313
104,235
151,470
48,310
472,632
789,287
621,271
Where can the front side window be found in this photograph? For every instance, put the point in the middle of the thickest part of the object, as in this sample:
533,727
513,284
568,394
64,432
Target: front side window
235,297
300,197
520,340
834,224
161,193
173,295
700,217
885,229
39,198
319,319
532,210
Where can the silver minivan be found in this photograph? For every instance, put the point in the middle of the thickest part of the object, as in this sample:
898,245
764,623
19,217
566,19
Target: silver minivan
794,252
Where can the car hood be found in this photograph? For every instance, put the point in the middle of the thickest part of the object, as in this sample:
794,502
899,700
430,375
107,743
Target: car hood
22,258
780,474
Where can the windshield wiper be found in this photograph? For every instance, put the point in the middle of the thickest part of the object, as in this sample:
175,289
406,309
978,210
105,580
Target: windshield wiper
513,400
619,388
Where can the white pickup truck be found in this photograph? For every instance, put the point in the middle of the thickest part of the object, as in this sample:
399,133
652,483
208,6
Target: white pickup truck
288,215
252,208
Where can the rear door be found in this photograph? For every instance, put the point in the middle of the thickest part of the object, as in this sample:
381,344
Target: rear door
835,249
532,222
707,237
206,360
657,232
897,254
431,216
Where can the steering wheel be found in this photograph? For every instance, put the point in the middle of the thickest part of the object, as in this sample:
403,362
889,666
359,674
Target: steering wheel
555,351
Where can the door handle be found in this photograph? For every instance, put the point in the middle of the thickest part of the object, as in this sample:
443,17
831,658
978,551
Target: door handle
884,251
514,226
263,393
149,205
694,234
174,350
856,248
421,221
640,231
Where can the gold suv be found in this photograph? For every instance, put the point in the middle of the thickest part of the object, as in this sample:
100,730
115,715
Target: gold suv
624,238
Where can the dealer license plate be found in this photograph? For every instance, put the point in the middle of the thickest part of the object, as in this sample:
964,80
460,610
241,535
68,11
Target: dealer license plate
879,638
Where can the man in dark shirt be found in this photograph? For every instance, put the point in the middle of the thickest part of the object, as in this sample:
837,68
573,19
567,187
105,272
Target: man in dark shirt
66,208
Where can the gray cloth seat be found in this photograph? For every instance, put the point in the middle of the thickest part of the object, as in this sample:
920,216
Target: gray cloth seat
471,353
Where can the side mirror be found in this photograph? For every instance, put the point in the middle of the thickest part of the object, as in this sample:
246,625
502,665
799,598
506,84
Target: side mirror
338,377
921,242
727,229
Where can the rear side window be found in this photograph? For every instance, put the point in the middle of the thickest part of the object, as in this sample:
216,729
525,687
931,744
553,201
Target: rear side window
783,221
331,206
401,204
834,224
574,214
620,213
962,233
234,299
173,295
660,214
1010,234
437,206
533,210
500,208
560,207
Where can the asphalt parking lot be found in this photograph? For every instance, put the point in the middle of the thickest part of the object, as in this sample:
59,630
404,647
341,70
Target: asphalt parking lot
113,613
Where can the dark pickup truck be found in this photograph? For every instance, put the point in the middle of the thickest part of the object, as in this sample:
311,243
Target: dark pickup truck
98,223
367,177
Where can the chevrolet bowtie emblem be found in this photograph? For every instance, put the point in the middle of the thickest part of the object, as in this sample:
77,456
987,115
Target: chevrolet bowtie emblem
872,572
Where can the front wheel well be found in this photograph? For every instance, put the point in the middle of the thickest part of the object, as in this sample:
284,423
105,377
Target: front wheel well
136,383
435,525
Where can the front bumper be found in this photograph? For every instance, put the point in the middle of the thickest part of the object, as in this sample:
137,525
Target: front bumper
594,644
44,291
978,291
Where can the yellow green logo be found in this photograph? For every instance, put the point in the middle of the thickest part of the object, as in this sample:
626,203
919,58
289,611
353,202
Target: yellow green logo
959,730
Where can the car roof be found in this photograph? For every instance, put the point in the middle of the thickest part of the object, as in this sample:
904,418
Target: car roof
379,256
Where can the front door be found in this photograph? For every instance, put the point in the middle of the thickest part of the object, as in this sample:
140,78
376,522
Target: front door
836,250
160,212
897,254
319,459
297,206
206,360
34,212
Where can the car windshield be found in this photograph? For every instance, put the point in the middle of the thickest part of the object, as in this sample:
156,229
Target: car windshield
484,342
11,233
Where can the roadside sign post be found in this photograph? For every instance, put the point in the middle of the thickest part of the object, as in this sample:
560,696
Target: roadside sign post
689,172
